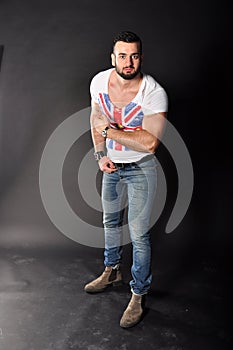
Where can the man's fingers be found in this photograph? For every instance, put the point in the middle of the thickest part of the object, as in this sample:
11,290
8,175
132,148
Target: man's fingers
111,165
109,168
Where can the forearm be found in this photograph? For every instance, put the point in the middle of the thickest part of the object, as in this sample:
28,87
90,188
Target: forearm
138,140
98,140
105,164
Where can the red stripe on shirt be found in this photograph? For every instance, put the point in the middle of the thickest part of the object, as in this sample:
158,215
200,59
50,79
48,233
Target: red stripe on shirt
132,114
104,107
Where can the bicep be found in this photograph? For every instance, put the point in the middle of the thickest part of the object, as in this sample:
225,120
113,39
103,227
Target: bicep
95,111
155,124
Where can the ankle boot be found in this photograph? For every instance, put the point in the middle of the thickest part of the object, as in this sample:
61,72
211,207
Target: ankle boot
110,276
133,312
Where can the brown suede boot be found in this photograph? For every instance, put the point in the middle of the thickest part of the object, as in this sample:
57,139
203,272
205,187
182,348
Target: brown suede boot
133,312
110,276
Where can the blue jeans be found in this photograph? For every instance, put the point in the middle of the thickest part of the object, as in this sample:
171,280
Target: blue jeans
136,186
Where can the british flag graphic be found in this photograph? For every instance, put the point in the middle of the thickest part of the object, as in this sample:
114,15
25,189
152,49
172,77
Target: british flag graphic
128,118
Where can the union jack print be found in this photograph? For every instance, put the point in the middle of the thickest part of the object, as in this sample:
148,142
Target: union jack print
128,118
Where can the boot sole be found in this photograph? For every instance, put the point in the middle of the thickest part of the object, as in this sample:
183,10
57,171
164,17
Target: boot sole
113,284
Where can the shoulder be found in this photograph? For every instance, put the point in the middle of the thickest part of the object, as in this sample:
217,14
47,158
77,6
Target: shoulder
151,84
155,99
101,77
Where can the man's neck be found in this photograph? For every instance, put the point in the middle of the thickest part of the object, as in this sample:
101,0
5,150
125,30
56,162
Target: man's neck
127,83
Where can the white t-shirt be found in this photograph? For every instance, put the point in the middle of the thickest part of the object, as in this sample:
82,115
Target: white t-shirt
151,98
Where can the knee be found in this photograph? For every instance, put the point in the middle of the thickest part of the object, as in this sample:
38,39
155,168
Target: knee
139,237
112,221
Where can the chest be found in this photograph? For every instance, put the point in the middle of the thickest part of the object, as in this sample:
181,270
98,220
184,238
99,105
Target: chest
121,98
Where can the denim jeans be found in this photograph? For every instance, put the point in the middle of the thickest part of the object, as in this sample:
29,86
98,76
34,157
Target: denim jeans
135,186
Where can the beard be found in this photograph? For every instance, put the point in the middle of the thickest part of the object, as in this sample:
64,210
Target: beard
130,75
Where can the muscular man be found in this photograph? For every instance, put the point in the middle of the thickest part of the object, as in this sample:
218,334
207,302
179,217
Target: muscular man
128,117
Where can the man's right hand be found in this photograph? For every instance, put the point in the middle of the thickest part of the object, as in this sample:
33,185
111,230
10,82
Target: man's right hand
106,165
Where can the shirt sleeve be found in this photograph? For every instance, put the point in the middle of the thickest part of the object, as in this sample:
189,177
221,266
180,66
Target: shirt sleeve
93,90
155,98
156,101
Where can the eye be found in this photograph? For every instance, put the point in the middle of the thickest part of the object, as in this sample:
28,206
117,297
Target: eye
122,57
135,57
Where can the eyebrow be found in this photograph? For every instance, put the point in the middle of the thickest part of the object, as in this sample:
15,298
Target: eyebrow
134,53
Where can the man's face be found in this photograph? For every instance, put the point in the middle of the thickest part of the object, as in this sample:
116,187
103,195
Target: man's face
127,59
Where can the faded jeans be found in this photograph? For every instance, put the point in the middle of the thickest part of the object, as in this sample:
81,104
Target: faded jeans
135,186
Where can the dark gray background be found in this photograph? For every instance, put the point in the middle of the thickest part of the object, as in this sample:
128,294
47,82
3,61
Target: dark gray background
52,49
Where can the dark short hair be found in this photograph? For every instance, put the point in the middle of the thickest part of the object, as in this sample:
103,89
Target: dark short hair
127,37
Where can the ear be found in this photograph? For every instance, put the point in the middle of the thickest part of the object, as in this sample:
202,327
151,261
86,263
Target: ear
113,59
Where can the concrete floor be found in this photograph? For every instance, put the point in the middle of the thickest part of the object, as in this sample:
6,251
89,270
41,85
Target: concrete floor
51,51
43,305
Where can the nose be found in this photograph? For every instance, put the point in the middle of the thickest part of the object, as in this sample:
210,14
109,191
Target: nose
129,60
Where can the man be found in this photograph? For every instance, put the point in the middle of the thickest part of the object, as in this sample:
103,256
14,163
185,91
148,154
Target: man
128,116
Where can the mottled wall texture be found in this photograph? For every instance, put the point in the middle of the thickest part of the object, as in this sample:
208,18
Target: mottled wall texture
52,49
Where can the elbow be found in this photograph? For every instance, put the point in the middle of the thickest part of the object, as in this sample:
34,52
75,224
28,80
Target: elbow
152,146
151,150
